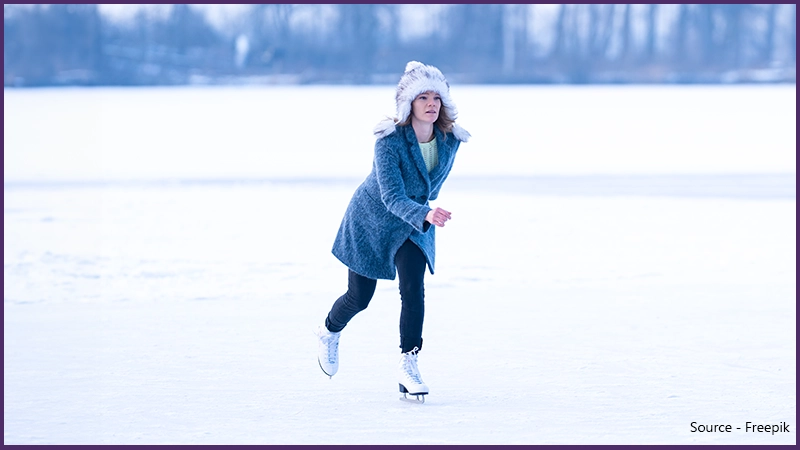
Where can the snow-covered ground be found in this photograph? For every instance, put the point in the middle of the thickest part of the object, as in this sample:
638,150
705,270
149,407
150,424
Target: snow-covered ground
161,287
318,131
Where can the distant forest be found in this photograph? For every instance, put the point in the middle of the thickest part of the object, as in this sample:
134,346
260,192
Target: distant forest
61,45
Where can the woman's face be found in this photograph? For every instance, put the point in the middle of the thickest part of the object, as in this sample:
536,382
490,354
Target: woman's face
425,108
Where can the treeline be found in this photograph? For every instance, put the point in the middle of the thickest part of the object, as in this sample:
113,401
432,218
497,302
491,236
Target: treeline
78,45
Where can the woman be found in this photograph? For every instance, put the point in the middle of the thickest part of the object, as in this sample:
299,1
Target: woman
388,227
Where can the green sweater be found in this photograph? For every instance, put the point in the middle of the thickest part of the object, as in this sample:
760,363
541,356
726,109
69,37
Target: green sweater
430,153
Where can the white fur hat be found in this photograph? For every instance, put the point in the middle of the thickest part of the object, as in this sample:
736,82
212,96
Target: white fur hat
419,78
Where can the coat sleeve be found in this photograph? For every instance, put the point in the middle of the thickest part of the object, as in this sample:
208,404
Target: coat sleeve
393,192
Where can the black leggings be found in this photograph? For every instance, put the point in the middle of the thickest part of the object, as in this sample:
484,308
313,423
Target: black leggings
410,262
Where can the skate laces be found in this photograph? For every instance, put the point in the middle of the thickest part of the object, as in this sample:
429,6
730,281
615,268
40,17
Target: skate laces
331,341
410,366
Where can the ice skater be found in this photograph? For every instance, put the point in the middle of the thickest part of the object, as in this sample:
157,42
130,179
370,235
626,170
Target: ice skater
388,228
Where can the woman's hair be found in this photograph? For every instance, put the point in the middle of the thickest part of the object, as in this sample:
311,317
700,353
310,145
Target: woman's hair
443,122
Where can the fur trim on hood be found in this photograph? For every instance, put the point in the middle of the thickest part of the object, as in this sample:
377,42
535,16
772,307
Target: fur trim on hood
419,78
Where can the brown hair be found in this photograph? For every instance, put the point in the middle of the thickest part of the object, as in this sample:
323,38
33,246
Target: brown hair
443,122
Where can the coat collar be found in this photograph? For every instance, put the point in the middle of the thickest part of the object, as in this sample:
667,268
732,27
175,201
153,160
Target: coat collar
444,147
416,154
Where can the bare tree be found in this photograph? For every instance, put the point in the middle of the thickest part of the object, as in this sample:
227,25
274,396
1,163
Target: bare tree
626,33
271,34
358,32
75,44
604,14
650,42
681,34
793,34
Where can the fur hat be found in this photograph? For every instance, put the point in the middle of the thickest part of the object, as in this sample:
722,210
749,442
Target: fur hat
419,78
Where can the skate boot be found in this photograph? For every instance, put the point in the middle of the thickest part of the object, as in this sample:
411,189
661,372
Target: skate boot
328,350
410,379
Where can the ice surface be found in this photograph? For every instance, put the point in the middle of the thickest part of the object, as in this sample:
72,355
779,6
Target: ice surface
321,131
605,308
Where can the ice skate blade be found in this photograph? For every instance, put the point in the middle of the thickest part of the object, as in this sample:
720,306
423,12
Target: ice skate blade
323,370
419,398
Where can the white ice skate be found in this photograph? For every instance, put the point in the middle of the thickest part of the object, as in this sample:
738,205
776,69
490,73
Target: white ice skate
410,379
328,351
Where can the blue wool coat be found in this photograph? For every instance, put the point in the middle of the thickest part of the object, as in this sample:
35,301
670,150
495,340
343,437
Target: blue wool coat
391,204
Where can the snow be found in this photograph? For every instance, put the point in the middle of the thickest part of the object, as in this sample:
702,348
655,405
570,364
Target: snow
324,132
168,293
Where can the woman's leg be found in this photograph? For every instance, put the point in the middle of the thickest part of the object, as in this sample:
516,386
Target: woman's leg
359,292
411,265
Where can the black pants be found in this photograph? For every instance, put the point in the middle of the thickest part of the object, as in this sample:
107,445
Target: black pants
410,262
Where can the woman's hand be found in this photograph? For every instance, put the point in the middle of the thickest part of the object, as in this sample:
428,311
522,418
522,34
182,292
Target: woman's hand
438,217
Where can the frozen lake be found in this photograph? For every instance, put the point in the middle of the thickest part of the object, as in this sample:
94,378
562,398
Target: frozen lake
167,255
289,132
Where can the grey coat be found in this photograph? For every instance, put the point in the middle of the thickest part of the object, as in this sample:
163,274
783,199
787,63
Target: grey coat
391,204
